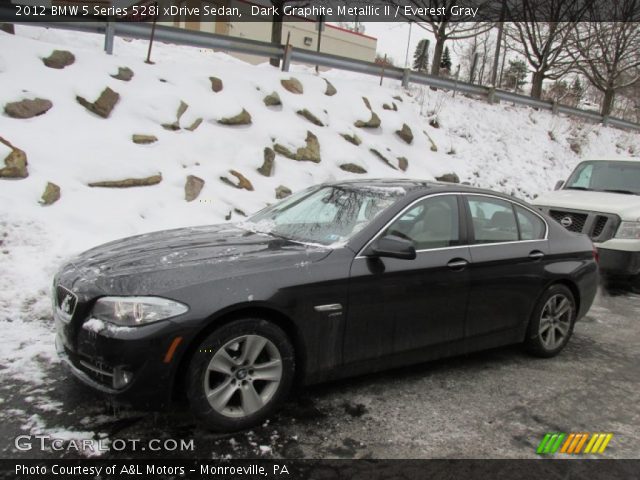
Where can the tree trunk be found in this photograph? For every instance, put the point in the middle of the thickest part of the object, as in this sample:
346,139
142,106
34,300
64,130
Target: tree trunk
607,102
536,84
437,55
276,30
7,27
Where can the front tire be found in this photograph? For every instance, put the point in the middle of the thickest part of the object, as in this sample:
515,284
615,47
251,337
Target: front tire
240,374
552,321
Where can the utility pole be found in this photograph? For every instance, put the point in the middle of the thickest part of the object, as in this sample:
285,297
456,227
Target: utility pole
496,58
406,58
320,27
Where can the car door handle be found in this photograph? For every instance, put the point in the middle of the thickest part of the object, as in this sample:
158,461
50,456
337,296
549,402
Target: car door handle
457,264
536,255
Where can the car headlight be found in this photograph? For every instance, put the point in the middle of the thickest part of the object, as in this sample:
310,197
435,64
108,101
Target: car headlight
629,230
134,311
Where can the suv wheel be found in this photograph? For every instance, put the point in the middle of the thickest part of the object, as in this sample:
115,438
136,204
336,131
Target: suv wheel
240,374
552,322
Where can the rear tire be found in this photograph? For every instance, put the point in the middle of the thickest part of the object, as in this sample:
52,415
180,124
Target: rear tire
240,374
552,321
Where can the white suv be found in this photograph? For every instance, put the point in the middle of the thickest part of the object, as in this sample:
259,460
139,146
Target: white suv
601,198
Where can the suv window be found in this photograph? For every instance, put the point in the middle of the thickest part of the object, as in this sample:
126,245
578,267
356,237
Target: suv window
493,220
531,226
430,223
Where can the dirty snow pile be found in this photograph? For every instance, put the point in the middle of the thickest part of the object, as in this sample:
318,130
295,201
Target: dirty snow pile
203,121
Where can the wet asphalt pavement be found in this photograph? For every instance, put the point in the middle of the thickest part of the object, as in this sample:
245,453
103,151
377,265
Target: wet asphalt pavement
495,404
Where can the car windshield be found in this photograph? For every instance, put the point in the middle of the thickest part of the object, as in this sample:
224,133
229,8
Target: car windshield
326,215
606,176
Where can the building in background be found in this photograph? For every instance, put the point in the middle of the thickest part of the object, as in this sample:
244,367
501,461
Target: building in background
302,33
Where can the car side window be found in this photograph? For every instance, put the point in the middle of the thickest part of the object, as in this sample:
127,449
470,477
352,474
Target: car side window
493,220
430,223
531,226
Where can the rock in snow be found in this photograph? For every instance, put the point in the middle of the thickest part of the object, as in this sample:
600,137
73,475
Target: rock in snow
27,108
15,164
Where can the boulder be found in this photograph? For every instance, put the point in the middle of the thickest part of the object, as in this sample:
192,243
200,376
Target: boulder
330,90
309,153
366,102
141,139
310,116
103,105
382,157
243,118
398,97
129,182
434,147
124,73
434,123
405,133
192,188
216,84
27,108
373,122
51,194
243,182
267,165
293,85
272,100
449,178
403,163
194,125
239,212
352,168
15,164
355,139
393,106
282,192
59,59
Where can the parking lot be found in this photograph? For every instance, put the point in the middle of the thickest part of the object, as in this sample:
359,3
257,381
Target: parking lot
496,404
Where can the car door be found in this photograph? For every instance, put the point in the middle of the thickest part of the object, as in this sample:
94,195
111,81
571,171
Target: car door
400,305
508,246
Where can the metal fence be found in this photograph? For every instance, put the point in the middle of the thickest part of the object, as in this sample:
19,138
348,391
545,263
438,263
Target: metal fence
289,54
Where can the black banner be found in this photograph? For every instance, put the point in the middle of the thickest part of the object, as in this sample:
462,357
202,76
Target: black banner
322,469
328,10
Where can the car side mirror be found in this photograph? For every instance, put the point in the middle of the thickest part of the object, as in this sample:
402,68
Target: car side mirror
559,185
393,246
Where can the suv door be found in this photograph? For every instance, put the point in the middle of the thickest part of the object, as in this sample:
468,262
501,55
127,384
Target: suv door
400,305
508,246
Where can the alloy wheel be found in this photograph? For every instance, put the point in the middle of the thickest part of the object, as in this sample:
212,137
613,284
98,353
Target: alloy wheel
555,321
243,376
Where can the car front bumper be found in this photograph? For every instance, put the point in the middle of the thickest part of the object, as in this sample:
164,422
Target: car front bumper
130,365
619,262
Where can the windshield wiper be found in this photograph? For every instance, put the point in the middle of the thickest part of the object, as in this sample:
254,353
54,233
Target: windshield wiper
576,188
626,192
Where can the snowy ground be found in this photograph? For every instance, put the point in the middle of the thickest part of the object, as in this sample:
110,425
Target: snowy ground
508,148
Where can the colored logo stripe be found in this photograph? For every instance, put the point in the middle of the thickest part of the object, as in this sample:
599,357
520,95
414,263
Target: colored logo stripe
573,443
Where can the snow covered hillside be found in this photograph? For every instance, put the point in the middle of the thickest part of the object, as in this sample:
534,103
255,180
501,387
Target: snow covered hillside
212,142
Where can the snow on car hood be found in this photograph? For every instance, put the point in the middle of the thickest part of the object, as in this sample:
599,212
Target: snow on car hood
187,249
625,206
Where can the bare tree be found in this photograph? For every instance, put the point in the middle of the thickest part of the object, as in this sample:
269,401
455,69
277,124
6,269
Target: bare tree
542,37
608,53
445,27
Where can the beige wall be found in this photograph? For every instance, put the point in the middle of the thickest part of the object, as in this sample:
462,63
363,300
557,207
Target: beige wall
334,41
302,34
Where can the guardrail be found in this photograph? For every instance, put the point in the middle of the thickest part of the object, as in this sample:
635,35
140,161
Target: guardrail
194,38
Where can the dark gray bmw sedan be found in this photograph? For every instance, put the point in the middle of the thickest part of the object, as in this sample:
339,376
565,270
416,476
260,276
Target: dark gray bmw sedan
338,280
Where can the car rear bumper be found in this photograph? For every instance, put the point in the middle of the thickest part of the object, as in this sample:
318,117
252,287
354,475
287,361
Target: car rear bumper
103,360
619,262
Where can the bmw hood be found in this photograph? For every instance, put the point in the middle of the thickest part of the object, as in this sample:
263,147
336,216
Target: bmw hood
183,256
